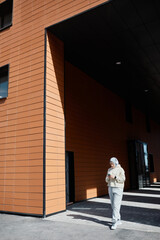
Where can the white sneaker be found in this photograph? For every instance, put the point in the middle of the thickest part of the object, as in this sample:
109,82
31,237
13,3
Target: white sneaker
119,222
114,226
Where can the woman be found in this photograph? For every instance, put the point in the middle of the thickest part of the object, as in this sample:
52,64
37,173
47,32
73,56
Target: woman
115,179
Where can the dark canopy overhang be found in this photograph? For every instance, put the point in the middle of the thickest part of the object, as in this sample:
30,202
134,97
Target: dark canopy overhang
118,44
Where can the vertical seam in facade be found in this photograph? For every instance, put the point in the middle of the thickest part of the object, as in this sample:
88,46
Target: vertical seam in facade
64,118
44,129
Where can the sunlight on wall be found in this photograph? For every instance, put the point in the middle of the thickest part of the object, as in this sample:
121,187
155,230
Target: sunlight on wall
92,192
154,180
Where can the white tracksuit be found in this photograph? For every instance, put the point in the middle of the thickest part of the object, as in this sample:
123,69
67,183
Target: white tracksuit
115,189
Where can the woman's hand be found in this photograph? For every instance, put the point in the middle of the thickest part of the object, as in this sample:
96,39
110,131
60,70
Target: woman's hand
111,176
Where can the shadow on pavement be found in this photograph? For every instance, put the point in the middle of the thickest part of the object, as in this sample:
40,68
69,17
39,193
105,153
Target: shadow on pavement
141,199
146,191
86,218
149,214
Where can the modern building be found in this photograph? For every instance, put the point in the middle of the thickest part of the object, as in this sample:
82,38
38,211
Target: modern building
79,83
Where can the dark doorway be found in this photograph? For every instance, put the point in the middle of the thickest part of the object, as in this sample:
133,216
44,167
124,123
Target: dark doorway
70,182
138,162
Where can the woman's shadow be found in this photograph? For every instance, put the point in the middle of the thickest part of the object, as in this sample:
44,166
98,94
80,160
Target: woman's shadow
85,218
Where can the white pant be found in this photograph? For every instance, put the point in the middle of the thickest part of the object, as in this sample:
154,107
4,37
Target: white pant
115,194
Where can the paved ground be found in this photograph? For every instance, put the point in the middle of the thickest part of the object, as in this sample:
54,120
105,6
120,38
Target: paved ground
91,220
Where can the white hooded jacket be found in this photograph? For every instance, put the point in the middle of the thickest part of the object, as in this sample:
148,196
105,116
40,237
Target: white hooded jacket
119,177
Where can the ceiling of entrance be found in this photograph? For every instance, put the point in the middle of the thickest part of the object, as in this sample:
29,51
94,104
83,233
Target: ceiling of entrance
118,44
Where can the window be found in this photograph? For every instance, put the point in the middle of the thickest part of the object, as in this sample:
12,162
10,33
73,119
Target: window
145,157
6,14
4,76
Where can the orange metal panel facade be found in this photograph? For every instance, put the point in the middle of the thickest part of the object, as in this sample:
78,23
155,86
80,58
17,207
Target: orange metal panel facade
22,46
96,129
21,118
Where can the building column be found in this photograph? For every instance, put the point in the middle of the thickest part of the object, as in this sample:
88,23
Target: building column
55,196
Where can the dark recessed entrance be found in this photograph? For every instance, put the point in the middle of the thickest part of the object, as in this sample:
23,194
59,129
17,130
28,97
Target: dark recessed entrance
118,44
139,164
70,185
